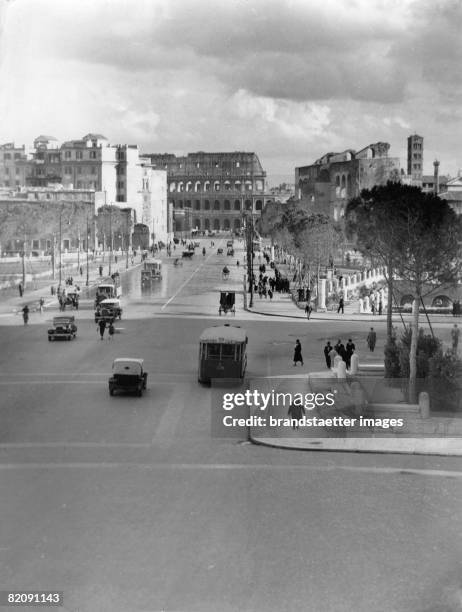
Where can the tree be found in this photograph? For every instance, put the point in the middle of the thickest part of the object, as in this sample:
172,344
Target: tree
415,235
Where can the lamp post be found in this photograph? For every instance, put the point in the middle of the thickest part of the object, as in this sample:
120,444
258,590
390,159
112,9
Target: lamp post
60,246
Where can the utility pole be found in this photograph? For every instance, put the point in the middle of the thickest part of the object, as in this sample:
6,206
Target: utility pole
249,238
60,246
88,244
111,244
24,262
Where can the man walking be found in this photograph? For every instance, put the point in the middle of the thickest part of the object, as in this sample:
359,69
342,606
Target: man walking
327,350
102,327
308,310
341,305
350,349
371,339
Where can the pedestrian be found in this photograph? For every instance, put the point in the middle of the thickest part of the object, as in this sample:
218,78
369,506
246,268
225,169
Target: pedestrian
25,314
81,271
455,338
270,294
102,327
296,412
52,290
101,270
327,351
298,353
380,307
308,310
341,305
350,349
371,339
41,304
373,307
111,330
20,289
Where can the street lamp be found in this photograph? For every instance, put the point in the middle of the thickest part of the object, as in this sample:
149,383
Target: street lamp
88,243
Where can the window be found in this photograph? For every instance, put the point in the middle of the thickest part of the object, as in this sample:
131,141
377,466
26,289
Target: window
228,351
206,205
67,155
92,154
197,205
79,169
120,184
79,155
237,164
227,205
216,205
213,351
93,170
17,156
216,186
7,156
237,205
120,169
67,170
7,171
35,244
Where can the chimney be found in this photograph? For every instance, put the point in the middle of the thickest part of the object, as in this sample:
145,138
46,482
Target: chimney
436,178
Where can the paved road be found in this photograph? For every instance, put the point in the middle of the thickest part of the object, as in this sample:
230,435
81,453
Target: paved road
129,503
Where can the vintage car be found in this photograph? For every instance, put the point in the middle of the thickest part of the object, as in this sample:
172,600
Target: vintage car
109,310
187,253
128,376
230,243
151,270
64,328
230,251
220,251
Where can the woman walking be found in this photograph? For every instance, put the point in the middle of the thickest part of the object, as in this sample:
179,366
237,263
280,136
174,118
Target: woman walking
298,353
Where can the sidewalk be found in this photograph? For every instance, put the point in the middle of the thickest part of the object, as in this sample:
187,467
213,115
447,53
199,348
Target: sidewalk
11,303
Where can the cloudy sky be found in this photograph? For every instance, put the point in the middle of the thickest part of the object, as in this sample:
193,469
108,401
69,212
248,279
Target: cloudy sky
288,79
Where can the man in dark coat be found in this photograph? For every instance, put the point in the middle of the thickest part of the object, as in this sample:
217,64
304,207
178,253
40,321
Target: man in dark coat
102,327
350,348
371,339
341,305
327,350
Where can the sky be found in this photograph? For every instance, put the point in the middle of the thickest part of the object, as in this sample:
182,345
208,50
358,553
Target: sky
287,79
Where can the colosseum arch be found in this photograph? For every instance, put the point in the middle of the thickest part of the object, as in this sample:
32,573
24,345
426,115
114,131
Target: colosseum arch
442,301
407,300
197,186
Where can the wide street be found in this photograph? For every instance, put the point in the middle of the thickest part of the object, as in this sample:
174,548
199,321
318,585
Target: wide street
128,503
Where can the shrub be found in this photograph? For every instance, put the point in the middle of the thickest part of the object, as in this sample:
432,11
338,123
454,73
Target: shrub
427,347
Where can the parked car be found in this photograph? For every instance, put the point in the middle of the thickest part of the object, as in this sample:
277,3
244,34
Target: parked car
128,376
64,328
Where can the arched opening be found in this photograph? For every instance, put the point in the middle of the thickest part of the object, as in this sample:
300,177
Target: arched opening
206,224
216,186
237,205
216,205
197,223
258,205
206,205
197,186
248,204
181,186
188,186
216,224
197,205
441,301
237,185
172,186
207,186
226,224
227,185
407,300
237,224
227,205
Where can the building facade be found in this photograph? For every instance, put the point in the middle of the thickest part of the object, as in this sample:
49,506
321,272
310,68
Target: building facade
213,191
332,180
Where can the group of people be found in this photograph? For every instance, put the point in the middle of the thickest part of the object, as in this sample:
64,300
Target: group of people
344,351
101,328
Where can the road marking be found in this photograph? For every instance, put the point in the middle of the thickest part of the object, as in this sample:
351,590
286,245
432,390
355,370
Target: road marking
165,431
186,281
388,471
